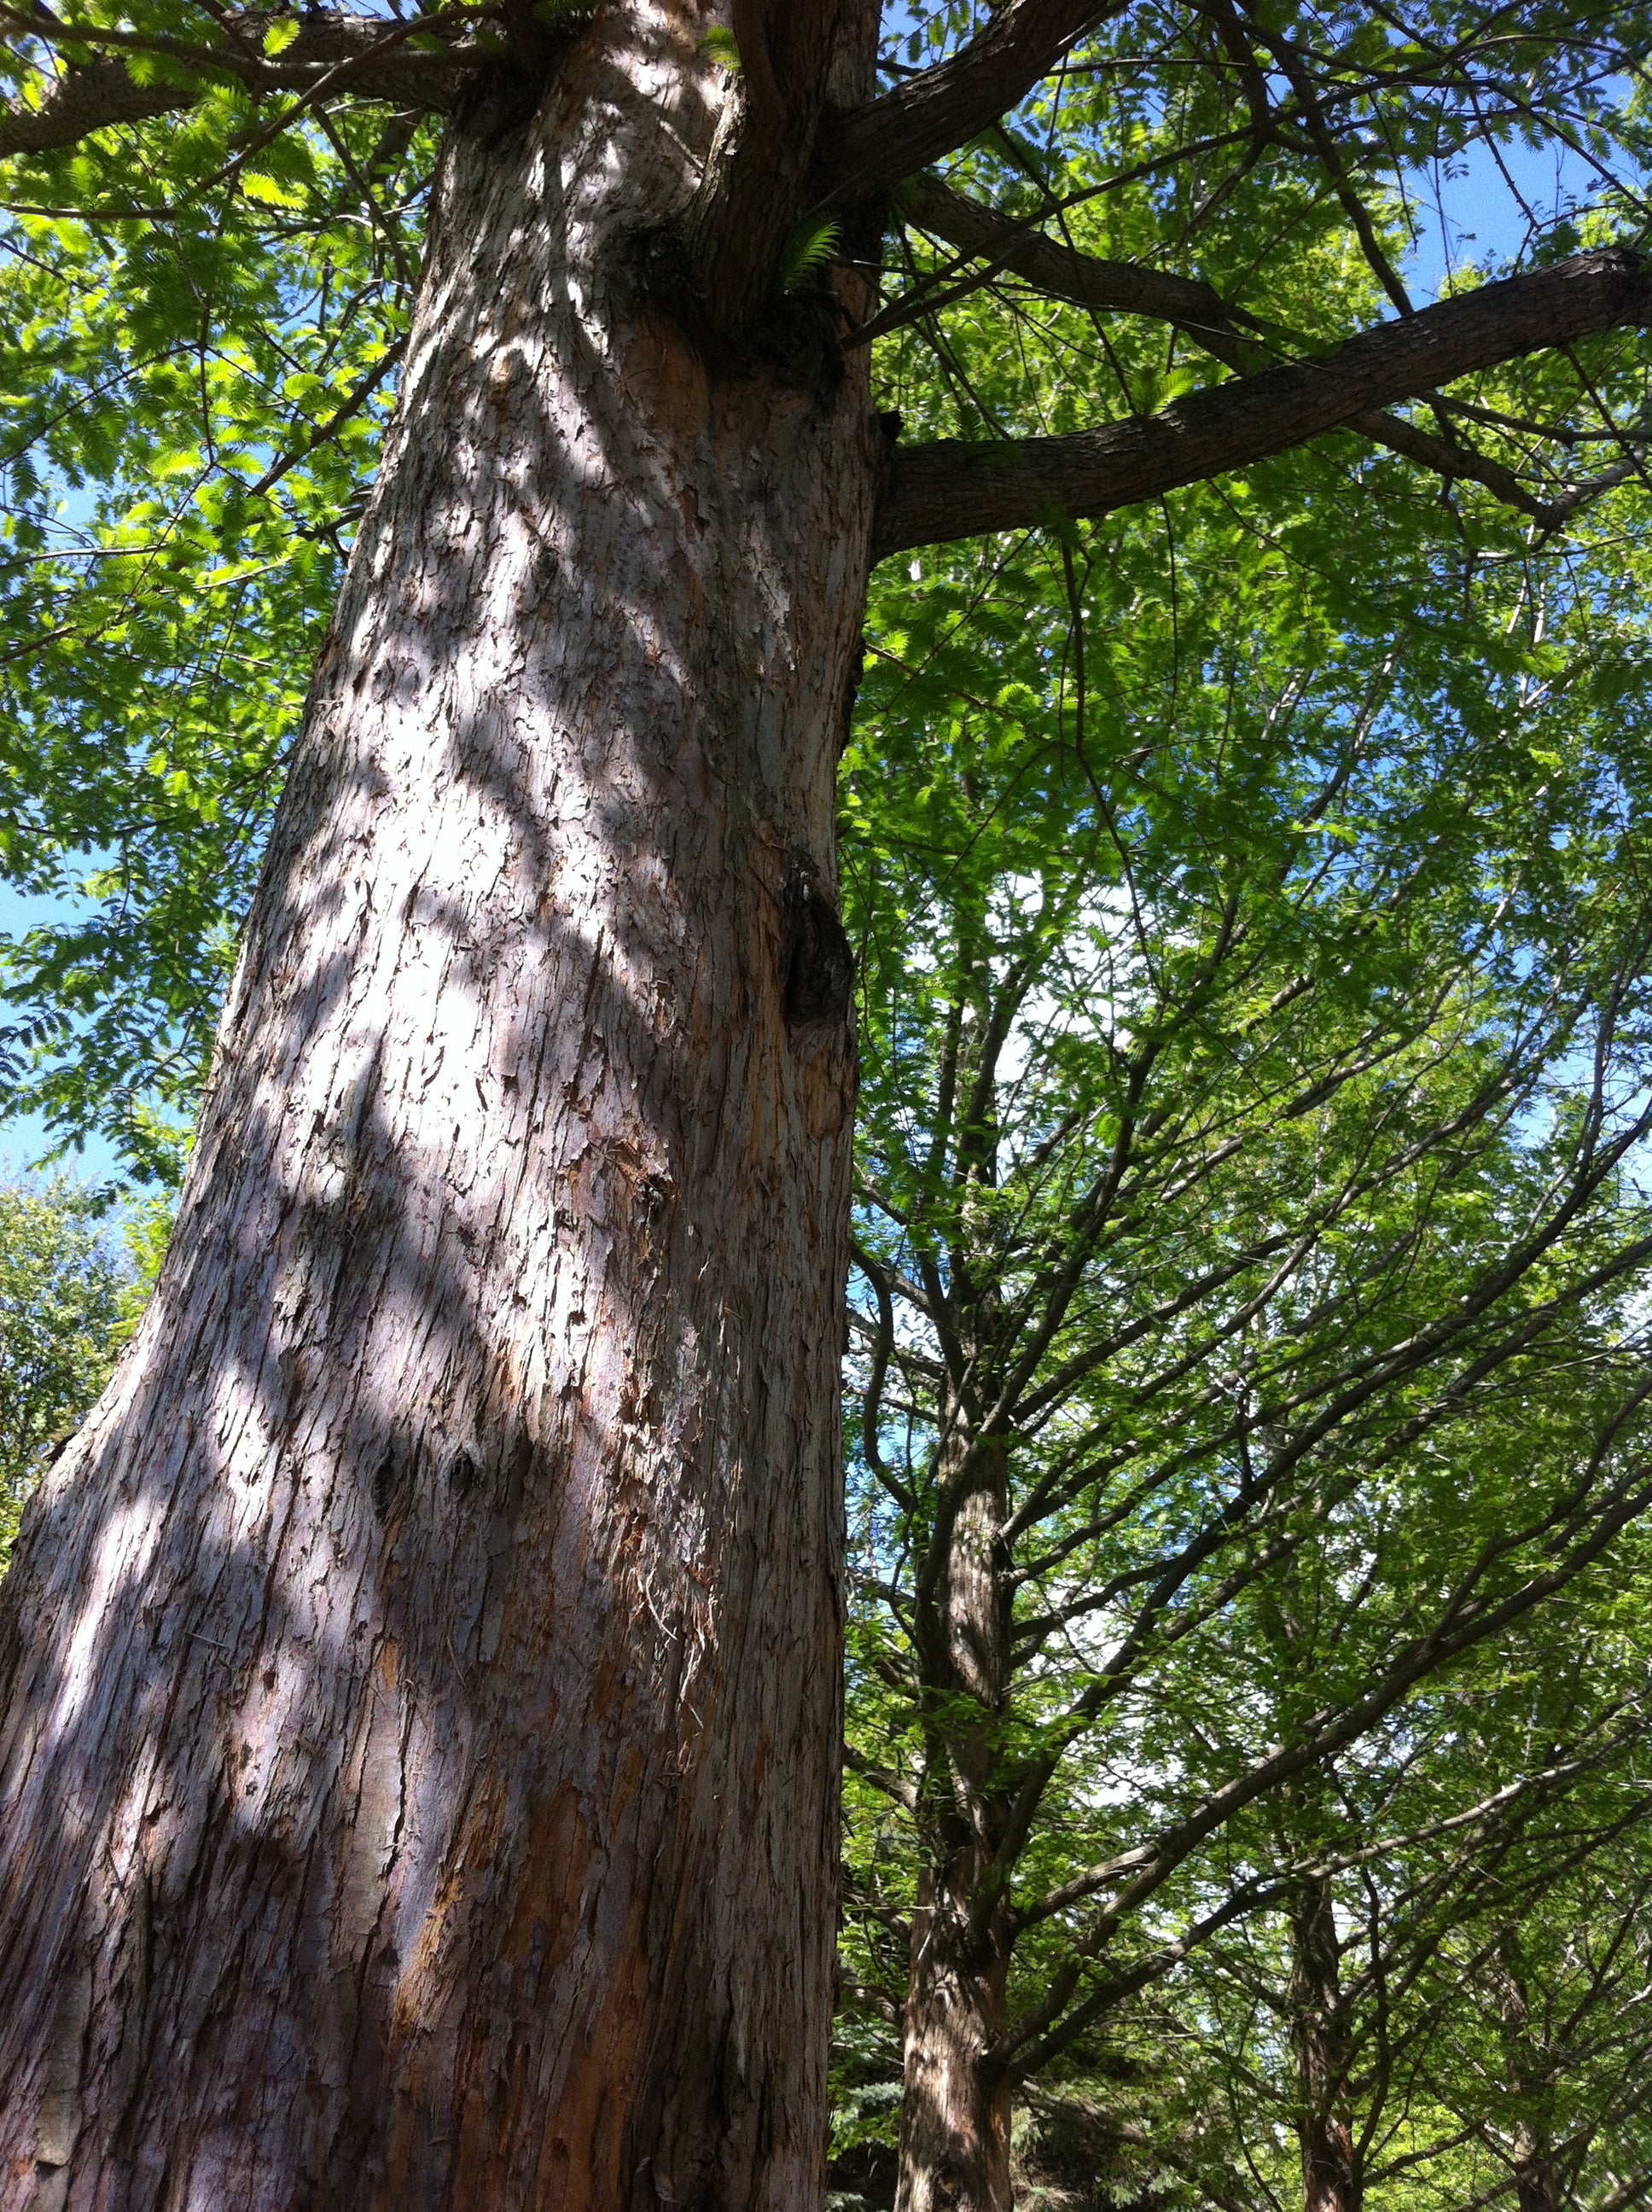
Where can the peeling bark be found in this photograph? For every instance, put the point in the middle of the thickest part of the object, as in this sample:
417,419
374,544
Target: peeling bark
421,1675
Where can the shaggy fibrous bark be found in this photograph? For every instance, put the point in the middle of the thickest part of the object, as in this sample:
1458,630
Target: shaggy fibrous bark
421,1675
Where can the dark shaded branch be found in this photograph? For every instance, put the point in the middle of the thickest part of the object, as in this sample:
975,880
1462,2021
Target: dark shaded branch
1122,287
903,1790
1455,462
867,151
951,489
101,94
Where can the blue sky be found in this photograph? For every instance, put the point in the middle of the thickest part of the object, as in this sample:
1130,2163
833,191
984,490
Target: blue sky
24,1137
1479,216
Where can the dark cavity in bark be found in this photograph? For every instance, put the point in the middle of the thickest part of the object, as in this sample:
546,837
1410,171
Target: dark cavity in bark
819,965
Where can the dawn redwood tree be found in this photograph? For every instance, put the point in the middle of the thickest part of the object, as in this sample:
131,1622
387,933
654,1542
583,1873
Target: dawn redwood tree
422,1674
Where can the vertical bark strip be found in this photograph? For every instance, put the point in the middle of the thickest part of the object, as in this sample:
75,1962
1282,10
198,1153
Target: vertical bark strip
418,1778
955,2108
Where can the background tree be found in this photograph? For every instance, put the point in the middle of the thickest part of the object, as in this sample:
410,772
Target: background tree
1481,1995
63,1296
1247,1260
436,1627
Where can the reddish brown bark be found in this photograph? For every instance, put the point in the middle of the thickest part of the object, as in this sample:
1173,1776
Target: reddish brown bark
422,1674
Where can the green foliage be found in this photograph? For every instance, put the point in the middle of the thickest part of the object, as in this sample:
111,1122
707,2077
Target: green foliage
190,411
1491,1999
144,1238
720,46
809,249
1237,952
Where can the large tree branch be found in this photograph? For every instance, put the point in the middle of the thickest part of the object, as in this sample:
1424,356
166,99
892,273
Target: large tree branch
1060,272
952,489
874,146
382,66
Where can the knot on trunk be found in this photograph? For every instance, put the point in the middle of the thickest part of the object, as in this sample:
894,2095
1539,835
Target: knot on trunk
819,967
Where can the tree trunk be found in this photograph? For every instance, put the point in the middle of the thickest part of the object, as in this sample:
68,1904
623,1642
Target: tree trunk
955,2111
1537,2186
955,2107
419,1759
1330,2165
1529,2064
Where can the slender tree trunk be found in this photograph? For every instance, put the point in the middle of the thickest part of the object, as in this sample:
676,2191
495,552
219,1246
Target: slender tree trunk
1537,2186
955,2112
1330,2165
1530,2072
421,1678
